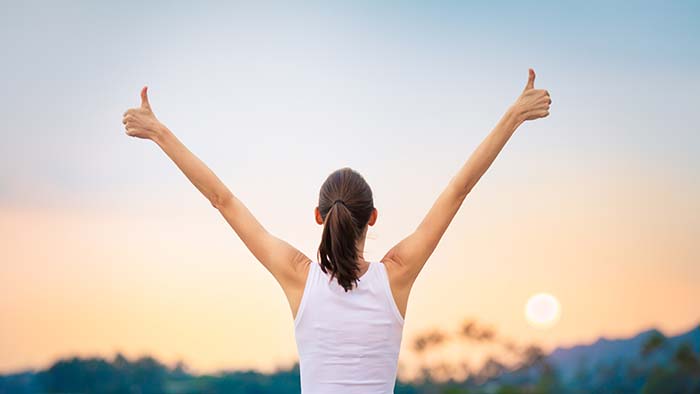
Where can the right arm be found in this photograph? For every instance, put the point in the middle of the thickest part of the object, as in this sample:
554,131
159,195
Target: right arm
407,258
285,262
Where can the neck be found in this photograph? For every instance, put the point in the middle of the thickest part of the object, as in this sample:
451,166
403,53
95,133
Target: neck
361,247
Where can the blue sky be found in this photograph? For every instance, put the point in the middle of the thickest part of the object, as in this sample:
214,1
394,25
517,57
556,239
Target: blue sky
341,78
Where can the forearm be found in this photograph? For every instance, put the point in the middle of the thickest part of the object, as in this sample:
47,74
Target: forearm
481,159
413,251
450,200
194,169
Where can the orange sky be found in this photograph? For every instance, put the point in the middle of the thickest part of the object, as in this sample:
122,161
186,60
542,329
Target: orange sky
176,283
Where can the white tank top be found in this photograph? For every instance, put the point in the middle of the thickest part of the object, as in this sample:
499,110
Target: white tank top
348,342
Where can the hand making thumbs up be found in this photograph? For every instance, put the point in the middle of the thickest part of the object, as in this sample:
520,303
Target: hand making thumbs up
532,103
141,122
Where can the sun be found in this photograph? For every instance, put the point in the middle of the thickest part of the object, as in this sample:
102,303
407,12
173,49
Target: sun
542,310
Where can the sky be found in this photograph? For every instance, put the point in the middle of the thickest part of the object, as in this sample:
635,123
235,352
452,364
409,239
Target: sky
105,246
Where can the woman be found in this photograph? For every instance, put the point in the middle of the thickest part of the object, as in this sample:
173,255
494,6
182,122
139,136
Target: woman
348,312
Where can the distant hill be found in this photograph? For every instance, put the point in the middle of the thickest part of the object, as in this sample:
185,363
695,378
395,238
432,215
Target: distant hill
648,363
606,352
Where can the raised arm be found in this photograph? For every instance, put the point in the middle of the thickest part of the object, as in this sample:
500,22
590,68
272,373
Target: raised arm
408,257
279,257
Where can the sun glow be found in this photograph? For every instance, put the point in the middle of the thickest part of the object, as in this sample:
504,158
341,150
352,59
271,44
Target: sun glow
542,310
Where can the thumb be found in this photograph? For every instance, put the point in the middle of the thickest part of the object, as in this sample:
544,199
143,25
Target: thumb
144,98
530,80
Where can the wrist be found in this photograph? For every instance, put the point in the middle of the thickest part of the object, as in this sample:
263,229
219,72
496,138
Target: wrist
513,117
160,134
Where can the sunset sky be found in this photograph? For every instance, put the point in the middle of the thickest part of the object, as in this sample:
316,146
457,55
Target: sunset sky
105,246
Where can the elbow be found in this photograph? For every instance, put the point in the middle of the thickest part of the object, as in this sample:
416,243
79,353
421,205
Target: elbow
221,201
459,191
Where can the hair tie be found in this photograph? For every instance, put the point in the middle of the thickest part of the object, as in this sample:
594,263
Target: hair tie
340,201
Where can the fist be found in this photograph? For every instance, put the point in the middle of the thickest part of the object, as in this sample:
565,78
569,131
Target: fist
141,122
532,103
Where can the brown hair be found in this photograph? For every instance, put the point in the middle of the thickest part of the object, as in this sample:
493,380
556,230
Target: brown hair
345,204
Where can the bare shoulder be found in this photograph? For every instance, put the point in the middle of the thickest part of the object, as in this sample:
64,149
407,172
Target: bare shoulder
393,268
299,268
294,284
397,269
400,282
291,275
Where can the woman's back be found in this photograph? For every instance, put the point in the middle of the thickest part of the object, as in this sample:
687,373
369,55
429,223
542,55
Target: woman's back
348,342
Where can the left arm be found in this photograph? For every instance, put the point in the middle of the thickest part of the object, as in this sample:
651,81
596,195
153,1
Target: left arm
411,253
279,257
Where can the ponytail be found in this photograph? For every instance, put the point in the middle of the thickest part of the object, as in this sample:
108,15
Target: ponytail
345,204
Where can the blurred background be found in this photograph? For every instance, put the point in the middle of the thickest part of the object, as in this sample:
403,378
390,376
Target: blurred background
571,267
